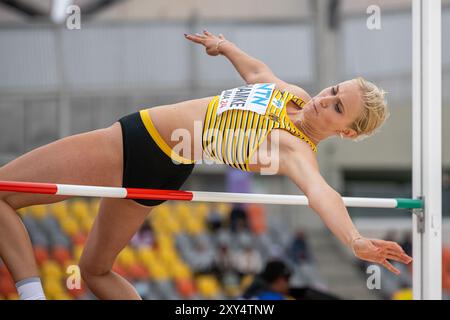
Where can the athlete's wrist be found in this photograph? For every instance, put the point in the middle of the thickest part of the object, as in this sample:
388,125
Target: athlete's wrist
353,241
221,44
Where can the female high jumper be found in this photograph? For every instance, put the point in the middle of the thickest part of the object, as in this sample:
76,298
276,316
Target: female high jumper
240,127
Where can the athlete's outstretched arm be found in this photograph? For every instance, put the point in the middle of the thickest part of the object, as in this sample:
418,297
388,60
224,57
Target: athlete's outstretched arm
328,204
251,69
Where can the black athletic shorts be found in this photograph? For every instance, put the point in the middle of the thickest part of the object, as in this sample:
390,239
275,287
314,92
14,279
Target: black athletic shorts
145,165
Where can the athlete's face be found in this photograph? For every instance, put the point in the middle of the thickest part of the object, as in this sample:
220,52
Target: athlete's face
335,108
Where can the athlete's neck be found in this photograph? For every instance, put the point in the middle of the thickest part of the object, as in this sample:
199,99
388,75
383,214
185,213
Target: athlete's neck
312,133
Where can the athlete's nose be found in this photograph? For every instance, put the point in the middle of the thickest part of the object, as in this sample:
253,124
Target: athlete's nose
322,102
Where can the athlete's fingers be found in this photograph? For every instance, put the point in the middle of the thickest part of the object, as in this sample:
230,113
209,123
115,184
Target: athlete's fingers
394,246
388,244
193,38
388,247
395,257
401,257
221,36
383,253
390,267
206,32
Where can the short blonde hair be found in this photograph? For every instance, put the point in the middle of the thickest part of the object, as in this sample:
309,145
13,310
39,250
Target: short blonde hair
375,111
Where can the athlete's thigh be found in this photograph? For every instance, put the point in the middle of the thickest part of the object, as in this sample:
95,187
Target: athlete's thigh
116,222
90,158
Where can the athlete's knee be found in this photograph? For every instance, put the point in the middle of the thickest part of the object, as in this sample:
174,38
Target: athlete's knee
91,268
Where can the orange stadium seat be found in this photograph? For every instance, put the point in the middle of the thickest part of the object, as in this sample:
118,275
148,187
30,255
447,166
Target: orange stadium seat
138,271
41,254
119,270
61,254
7,285
185,287
79,238
446,269
4,271
256,217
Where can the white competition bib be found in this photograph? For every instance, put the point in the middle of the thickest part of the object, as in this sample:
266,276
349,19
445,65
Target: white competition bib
255,97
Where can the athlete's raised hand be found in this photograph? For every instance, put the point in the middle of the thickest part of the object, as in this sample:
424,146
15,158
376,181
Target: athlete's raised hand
380,251
210,41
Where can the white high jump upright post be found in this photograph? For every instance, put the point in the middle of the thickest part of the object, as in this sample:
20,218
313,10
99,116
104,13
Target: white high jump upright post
426,146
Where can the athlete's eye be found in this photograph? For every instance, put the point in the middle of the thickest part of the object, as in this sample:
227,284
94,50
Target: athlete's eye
336,107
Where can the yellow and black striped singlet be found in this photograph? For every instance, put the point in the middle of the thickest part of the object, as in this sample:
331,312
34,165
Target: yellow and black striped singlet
232,136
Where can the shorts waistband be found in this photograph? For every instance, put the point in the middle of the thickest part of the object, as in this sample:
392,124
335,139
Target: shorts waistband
145,117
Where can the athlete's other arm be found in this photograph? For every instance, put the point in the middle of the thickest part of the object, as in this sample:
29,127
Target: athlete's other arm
251,69
300,165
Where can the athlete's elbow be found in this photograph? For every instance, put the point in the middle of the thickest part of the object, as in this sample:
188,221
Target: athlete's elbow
259,75
317,196
251,78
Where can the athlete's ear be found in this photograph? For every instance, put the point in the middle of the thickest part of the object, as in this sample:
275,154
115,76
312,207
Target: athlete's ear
348,133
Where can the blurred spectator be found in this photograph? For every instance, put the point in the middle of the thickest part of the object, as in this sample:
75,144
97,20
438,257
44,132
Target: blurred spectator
247,260
238,219
224,270
214,219
223,262
299,250
144,237
271,284
201,255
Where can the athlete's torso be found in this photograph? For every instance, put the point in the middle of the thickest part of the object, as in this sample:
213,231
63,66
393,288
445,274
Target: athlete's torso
186,115
196,116
239,121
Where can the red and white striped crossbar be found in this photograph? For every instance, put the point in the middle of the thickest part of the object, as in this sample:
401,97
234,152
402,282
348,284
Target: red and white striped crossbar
202,196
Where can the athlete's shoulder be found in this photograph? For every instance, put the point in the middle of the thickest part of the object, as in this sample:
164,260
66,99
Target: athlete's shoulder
297,91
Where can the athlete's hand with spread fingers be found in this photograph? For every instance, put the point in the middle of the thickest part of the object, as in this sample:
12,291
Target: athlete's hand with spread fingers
210,41
380,251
